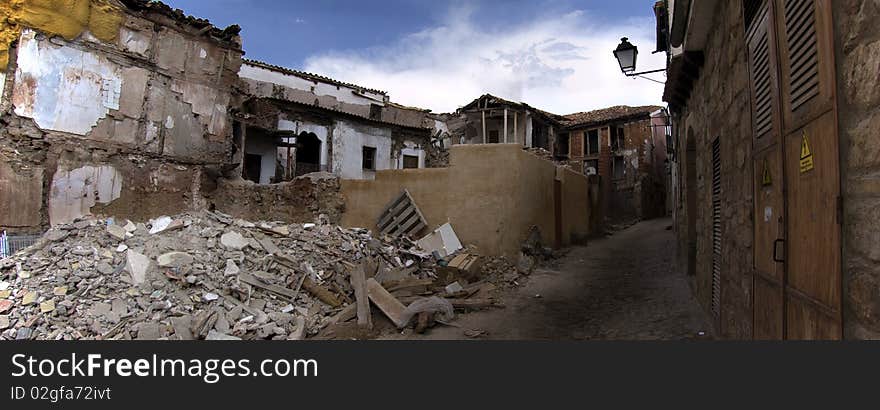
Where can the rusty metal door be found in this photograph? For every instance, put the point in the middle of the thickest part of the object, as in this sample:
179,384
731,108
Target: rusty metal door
797,281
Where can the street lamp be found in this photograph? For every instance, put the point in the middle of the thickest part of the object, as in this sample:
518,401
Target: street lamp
626,55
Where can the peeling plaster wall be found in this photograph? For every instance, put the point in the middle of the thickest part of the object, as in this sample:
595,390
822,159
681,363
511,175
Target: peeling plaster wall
66,18
63,88
75,192
348,142
149,101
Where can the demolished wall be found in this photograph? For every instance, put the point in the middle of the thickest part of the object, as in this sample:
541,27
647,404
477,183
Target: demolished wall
136,115
300,200
491,194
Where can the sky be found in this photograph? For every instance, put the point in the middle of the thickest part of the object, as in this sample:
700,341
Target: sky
554,55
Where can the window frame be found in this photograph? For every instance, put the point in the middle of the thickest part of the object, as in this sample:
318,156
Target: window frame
368,154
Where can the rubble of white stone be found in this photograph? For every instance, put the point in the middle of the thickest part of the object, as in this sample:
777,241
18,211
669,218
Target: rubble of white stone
201,275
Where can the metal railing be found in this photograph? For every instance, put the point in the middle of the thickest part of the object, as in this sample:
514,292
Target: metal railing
10,244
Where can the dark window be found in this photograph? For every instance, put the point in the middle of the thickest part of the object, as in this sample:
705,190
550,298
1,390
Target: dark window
369,158
493,137
410,161
253,163
562,145
619,167
375,112
617,139
593,142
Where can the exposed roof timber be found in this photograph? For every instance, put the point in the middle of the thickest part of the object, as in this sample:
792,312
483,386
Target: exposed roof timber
309,76
330,112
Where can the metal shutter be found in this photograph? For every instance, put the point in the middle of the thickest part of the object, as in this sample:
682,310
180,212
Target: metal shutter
716,228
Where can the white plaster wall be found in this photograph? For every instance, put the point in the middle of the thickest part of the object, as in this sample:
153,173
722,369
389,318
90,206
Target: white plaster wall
63,88
348,142
302,126
75,192
268,151
341,93
412,149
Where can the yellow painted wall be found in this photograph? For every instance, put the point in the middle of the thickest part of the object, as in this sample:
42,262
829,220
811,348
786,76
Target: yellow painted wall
65,18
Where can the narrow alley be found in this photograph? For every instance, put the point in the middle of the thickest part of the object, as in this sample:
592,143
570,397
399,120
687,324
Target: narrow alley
624,287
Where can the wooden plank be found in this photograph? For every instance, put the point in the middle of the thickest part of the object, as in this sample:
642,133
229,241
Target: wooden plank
362,301
387,303
253,281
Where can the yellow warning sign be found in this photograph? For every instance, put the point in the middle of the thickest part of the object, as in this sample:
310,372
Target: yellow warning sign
806,155
768,178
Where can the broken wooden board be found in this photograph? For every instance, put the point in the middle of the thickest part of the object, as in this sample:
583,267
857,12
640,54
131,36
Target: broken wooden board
362,301
280,290
320,292
401,217
386,302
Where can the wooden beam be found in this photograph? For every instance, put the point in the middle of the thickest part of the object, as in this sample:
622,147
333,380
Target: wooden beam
484,127
505,125
515,114
359,283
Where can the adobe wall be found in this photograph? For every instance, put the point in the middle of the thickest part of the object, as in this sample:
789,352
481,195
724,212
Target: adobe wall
492,194
857,48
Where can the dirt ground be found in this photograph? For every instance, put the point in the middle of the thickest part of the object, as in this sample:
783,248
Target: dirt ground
624,287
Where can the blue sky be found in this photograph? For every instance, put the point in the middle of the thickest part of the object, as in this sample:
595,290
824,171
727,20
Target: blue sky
553,54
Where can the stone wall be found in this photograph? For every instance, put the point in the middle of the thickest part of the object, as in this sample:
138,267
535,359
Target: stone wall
719,108
123,124
857,48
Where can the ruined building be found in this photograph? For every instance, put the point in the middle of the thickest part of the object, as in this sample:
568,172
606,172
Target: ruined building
118,107
624,147
338,127
777,160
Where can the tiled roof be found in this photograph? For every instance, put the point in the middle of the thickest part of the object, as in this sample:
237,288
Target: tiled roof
227,34
308,76
618,112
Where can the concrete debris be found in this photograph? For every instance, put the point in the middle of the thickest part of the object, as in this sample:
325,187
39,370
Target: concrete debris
218,278
233,240
117,232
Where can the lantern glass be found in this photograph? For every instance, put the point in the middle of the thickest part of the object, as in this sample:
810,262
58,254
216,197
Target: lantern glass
626,55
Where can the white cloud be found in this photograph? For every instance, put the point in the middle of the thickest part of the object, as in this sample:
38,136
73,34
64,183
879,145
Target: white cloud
562,64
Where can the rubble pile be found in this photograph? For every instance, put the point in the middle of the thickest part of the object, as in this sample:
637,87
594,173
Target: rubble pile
207,275
547,156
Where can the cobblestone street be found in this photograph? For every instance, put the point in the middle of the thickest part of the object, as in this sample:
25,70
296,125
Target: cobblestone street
623,287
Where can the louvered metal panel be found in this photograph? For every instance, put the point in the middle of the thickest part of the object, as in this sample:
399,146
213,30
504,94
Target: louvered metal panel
761,83
800,33
716,228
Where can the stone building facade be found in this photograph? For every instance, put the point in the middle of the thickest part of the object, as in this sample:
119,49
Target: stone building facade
776,187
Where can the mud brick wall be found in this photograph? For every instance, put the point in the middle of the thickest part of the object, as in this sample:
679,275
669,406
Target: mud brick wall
719,108
506,191
857,49
125,123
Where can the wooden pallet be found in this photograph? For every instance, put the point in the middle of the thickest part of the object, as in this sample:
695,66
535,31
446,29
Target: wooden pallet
402,217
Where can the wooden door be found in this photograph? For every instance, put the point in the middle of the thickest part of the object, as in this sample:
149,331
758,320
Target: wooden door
769,212
797,286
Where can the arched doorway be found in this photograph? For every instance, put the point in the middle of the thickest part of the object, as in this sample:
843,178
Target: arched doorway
308,153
